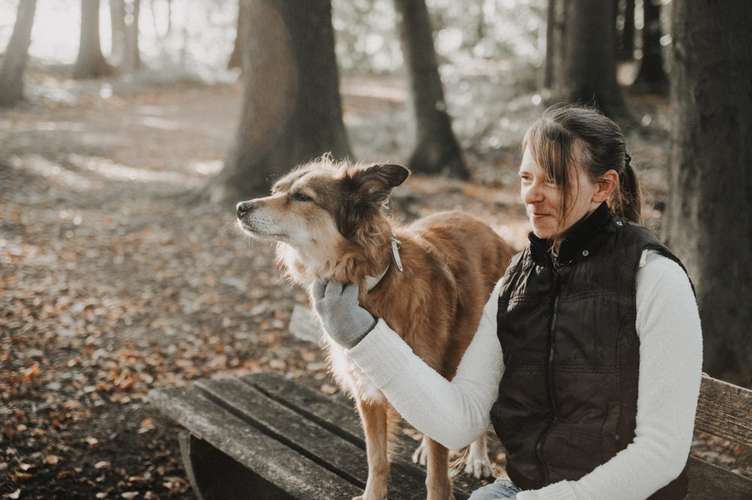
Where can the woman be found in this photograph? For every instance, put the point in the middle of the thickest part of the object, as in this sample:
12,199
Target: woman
587,360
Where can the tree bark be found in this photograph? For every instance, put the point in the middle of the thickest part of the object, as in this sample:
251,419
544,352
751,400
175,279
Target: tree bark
132,55
17,55
241,33
548,67
589,66
652,77
117,24
292,110
709,219
437,149
627,33
90,62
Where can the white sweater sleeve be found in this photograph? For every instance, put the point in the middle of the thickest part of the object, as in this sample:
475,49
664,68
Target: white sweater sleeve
668,325
452,413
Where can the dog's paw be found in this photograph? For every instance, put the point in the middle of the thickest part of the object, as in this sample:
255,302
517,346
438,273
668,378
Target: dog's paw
478,466
420,455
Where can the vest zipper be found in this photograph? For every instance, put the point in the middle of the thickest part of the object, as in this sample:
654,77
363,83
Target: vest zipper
550,378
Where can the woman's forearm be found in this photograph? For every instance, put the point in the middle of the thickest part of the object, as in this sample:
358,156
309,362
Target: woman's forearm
452,413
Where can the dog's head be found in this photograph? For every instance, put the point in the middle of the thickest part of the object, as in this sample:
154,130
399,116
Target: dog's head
324,212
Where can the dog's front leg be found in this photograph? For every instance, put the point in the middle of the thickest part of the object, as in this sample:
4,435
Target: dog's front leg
374,419
438,484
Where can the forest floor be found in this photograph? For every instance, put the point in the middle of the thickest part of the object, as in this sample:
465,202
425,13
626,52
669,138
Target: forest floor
113,285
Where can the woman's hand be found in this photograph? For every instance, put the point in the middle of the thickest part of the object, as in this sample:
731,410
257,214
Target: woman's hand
343,318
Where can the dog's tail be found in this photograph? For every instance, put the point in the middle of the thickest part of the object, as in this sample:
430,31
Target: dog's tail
458,462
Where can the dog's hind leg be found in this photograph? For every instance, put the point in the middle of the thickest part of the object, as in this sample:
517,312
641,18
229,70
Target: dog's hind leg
374,419
438,484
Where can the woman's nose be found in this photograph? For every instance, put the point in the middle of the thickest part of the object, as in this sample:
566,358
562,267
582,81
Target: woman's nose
532,194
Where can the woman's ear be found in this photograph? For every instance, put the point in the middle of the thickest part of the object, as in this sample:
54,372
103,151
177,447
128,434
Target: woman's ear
606,186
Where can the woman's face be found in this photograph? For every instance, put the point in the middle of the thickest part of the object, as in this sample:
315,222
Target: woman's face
542,198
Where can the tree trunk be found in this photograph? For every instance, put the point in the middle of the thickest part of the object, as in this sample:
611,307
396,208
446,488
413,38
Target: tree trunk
589,69
132,56
709,219
627,32
555,43
548,68
437,149
241,33
652,77
90,62
16,55
291,104
117,23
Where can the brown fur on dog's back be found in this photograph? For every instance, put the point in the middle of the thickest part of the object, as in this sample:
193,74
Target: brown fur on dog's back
451,263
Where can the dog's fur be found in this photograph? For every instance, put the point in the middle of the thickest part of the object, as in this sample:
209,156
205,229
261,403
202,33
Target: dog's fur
328,219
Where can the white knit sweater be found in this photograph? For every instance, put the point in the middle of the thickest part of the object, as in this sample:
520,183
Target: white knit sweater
455,413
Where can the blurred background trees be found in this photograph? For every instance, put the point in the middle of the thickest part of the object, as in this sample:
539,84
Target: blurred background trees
16,55
709,220
475,72
292,110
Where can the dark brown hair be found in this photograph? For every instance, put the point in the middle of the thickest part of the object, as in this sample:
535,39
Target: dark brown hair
565,137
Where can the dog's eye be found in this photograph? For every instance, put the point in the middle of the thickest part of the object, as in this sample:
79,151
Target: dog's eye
300,197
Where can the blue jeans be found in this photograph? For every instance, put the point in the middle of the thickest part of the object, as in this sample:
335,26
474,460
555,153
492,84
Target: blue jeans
501,488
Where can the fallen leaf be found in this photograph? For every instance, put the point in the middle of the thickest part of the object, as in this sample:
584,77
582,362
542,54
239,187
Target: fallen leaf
52,459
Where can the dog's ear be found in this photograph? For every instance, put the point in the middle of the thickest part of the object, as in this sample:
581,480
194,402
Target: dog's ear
374,183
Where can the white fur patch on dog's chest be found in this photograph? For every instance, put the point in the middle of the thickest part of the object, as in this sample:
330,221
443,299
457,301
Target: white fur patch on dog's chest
349,377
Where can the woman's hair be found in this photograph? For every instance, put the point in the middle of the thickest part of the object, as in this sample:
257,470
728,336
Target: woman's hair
566,137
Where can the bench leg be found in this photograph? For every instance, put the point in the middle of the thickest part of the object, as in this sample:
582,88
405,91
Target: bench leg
216,476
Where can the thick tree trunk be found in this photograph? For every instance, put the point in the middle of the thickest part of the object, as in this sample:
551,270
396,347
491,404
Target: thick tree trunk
132,56
709,219
555,44
291,104
90,62
437,149
16,55
652,77
589,69
241,33
627,32
117,24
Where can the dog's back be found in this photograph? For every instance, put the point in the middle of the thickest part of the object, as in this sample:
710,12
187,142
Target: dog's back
452,261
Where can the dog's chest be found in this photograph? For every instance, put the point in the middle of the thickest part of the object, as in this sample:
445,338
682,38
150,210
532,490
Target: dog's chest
349,377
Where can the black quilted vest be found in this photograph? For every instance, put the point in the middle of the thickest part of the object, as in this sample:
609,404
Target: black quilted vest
568,399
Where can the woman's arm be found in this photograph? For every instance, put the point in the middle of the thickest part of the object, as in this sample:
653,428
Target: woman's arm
668,325
451,413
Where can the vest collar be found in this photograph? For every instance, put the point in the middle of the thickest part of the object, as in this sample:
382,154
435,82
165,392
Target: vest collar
575,240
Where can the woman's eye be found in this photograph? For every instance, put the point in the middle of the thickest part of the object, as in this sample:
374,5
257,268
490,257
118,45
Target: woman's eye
301,197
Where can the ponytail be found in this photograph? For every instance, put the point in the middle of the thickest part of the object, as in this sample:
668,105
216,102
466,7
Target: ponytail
629,198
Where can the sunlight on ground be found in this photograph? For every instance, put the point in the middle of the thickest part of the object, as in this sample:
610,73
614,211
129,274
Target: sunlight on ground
66,175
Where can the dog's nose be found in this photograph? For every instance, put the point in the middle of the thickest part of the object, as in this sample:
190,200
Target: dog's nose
243,208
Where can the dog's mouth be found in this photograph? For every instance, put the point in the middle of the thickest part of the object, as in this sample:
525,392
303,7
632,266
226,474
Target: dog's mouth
259,234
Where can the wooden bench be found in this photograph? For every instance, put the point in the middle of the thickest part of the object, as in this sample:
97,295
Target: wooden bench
265,437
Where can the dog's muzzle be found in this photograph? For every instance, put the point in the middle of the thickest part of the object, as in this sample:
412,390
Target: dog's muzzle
243,208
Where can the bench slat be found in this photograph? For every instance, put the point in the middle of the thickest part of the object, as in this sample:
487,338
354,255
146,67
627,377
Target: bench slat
725,410
709,481
308,438
343,420
265,456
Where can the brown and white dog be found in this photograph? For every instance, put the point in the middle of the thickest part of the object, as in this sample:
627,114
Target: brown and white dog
328,219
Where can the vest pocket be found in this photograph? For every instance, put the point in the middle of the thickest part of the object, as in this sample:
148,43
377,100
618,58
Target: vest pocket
610,431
